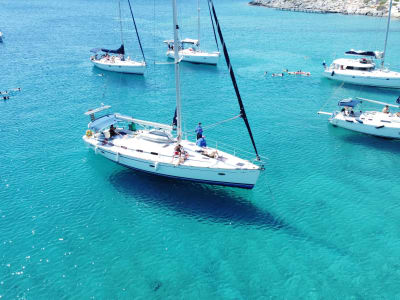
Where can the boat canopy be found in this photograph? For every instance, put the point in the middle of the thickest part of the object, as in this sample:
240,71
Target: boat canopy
376,54
349,102
120,50
102,122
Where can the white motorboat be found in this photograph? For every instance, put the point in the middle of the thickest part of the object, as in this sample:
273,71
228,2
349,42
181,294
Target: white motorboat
189,49
160,149
364,70
115,60
378,123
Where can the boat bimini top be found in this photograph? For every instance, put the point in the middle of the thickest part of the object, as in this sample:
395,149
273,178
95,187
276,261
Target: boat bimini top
350,102
99,123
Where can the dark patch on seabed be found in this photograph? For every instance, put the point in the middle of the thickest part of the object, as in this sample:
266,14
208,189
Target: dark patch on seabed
204,203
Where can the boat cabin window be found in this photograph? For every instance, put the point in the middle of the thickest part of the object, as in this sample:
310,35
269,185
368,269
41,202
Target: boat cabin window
358,69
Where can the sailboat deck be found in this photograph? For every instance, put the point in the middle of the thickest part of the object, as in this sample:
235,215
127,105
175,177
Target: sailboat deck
133,145
116,61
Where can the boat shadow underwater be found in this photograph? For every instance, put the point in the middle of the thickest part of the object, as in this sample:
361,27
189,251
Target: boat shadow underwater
194,200
207,204
131,81
362,139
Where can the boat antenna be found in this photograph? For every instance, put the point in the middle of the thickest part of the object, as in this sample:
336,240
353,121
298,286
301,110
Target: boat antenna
213,27
228,63
177,75
120,22
137,33
387,34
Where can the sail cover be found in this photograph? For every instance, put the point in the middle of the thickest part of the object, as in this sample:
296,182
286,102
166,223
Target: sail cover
375,54
120,50
349,102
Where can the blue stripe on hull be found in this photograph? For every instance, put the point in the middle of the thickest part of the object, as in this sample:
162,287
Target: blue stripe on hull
231,184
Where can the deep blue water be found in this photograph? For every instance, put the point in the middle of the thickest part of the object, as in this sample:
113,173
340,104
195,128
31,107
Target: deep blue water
321,223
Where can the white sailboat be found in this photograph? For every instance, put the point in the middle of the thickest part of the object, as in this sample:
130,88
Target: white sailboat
189,49
119,62
378,123
156,149
364,70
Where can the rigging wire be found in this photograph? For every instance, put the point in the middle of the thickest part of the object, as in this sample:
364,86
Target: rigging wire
120,22
137,33
213,27
218,123
235,86
333,95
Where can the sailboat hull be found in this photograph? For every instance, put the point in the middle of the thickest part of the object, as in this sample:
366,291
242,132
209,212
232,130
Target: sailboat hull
196,57
233,177
373,123
130,67
375,78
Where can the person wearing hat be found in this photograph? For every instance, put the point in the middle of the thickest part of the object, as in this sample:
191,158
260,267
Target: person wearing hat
199,131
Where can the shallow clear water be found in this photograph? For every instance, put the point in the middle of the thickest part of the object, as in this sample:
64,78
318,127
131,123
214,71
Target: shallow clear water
74,225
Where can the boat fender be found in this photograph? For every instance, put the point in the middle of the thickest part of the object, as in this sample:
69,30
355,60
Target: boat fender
156,166
333,73
89,133
117,156
379,127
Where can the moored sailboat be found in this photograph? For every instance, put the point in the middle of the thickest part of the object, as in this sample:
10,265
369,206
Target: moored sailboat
119,62
158,149
378,123
189,49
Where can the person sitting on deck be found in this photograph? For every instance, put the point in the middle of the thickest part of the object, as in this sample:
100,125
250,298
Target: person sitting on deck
132,127
201,142
113,131
178,150
386,110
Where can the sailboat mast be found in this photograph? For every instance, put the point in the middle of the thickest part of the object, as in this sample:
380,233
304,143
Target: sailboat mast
387,34
177,75
120,22
198,23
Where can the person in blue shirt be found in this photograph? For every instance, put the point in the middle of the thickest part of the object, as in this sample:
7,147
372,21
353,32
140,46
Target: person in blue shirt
201,142
199,131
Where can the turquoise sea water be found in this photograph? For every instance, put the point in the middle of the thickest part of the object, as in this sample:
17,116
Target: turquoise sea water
75,225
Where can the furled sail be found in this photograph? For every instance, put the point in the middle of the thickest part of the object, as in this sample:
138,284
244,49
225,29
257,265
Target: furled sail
137,33
120,50
228,62
375,54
